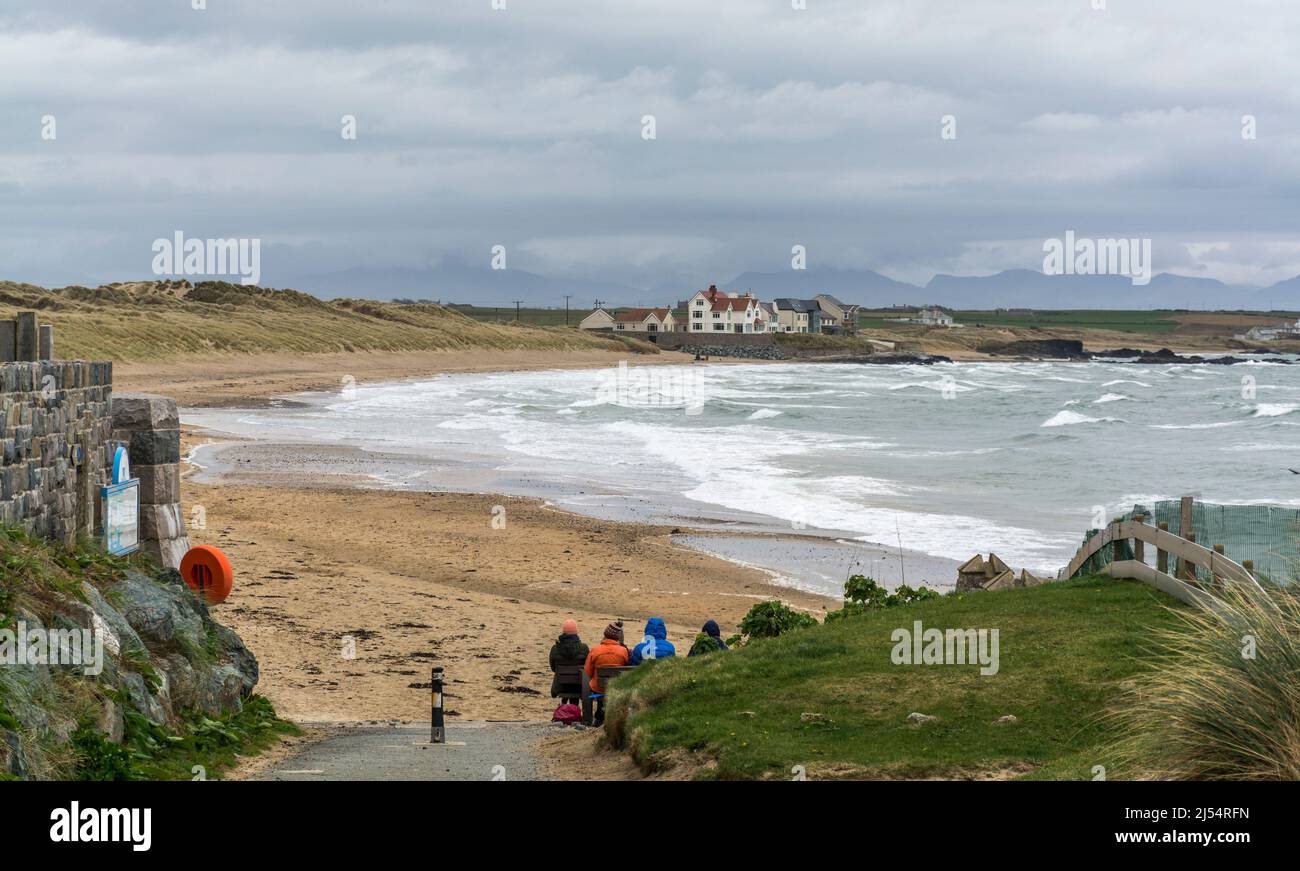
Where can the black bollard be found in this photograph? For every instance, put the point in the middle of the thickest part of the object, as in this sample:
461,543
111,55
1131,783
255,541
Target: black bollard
437,732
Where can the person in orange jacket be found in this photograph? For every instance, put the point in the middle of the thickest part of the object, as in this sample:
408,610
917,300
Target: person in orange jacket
609,653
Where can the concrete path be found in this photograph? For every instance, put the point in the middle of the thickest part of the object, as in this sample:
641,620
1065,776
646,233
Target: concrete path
474,751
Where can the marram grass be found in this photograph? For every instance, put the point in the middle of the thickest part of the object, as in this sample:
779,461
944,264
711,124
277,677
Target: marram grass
1222,700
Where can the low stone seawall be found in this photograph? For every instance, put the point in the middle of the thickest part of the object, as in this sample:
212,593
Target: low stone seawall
56,428
677,341
748,352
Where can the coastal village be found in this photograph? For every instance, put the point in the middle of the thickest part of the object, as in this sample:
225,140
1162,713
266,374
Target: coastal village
712,311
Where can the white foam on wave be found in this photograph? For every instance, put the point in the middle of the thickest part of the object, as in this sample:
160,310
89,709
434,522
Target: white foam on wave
1072,418
1274,409
1261,447
764,414
1217,425
1109,397
1119,381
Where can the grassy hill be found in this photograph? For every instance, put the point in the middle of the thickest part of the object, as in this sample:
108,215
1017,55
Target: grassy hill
158,320
1065,650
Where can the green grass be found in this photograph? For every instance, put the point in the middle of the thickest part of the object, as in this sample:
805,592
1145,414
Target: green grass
203,749
1065,649
1118,321
824,342
1222,701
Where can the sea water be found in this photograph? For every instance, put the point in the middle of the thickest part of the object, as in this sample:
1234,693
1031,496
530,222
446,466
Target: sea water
949,460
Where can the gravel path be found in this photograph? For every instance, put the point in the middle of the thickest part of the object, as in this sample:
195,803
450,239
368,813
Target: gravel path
474,751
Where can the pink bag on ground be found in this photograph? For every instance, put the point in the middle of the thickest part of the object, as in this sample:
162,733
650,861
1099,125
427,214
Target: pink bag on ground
567,713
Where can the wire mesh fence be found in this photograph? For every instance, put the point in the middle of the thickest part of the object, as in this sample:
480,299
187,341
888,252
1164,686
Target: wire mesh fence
1267,535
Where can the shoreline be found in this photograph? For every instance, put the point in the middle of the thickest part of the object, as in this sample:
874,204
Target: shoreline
417,579
234,380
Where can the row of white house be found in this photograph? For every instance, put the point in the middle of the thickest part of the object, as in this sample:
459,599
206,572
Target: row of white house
716,311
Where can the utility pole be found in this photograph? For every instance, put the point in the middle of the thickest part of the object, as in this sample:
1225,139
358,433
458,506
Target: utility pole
517,302
567,297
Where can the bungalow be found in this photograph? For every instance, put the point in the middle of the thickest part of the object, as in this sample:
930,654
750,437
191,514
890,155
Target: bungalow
799,315
839,317
935,317
716,311
645,320
597,320
928,317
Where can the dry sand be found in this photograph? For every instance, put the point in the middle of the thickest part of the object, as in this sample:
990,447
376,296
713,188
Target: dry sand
242,380
424,579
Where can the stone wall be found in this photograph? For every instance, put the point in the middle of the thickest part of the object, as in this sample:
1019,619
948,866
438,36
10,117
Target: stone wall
150,428
56,429
675,340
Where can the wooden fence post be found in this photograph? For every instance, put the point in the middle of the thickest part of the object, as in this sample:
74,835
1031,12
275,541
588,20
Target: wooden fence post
1139,546
1162,556
1186,568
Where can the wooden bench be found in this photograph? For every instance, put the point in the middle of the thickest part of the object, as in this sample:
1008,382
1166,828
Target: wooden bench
603,676
571,680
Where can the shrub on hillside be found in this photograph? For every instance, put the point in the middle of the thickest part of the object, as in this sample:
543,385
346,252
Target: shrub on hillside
863,594
770,619
1222,701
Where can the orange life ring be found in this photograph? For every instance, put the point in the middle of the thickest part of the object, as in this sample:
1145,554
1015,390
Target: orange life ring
207,572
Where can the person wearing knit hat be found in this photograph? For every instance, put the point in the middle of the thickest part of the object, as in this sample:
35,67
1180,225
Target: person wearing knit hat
609,653
568,649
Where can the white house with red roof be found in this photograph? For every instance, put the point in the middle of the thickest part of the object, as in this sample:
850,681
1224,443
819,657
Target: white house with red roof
716,311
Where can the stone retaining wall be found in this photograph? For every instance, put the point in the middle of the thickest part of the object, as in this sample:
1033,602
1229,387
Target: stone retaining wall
56,425
677,340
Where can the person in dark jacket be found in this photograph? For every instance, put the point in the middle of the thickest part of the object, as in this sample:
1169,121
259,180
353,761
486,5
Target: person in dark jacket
656,644
568,649
710,636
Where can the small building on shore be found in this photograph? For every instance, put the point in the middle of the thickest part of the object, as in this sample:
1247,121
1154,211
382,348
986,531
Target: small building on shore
799,315
838,317
645,320
597,320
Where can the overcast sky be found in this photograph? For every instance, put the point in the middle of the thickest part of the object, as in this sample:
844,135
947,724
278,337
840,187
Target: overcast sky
774,127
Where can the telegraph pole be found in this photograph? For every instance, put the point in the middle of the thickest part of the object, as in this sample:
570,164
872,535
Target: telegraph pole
567,297
517,302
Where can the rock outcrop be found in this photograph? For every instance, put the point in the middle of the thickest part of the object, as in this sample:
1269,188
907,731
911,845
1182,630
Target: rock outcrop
163,656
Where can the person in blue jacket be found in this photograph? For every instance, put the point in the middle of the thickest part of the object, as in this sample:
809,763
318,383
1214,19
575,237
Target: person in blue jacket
657,633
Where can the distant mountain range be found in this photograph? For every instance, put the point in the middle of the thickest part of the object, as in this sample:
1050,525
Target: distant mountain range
1022,288
1013,288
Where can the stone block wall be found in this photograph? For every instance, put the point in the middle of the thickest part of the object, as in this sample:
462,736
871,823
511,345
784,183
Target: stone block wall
55,427
150,428
717,338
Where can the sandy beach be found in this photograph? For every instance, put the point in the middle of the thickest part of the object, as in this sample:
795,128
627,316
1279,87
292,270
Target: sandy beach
246,380
424,579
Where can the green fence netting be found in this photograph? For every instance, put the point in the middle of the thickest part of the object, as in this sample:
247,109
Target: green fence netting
1267,534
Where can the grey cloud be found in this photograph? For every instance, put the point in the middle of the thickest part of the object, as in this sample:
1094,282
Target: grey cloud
522,127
